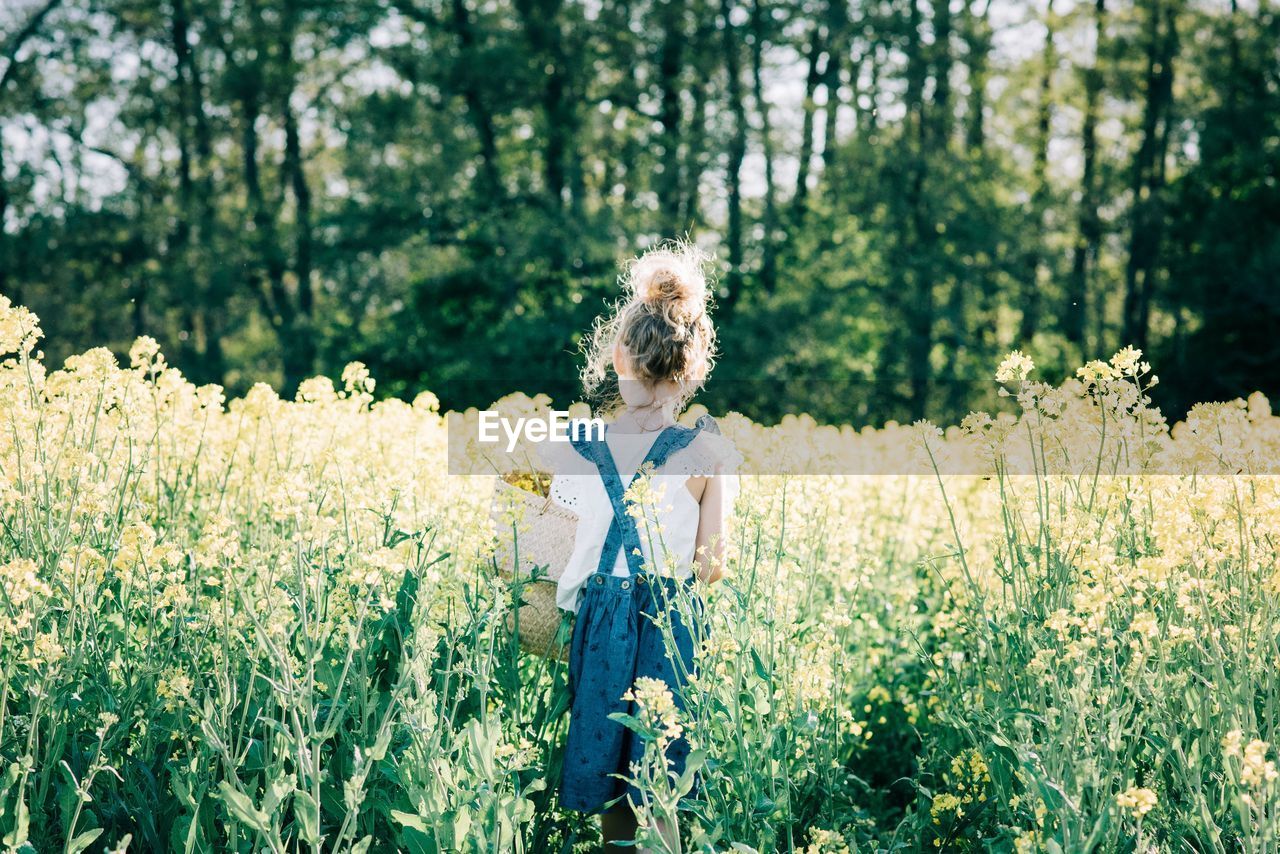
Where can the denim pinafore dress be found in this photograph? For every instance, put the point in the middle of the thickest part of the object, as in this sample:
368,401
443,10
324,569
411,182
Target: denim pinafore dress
616,640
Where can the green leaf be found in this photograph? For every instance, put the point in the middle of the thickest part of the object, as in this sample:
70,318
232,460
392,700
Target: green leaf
307,813
379,749
242,808
410,820
17,837
758,663
194,834
1053,795
461,826
83,841
276,793
694,762
631,722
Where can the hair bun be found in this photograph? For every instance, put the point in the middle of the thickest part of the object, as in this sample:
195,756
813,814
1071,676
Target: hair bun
660,331
670,278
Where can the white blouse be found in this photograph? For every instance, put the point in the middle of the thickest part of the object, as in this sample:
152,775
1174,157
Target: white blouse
668,520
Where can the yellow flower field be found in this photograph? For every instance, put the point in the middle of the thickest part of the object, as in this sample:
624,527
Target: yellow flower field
275,625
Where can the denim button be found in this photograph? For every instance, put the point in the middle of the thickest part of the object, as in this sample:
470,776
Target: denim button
599,580
640,579
626,585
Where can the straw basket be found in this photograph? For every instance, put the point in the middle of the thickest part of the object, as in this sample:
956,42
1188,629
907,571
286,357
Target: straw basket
534,539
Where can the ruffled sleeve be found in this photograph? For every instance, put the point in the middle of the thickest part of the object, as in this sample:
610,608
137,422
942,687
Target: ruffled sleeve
729,461
709,454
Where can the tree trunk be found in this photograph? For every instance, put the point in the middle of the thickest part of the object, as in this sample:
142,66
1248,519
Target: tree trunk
978,37
300,344
832,75
942,62
831,82
800,198
670,59
195,233
490,183
696,150
1085,253
737,152
556,107
541,20
1148,177
916,258
1031,297
266,274
768,263
542,26
695,153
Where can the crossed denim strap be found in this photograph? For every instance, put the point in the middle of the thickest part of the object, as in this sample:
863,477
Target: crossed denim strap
623,533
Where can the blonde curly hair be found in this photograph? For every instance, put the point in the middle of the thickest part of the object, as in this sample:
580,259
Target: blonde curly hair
662,324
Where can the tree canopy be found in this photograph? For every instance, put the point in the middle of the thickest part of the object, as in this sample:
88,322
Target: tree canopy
898,191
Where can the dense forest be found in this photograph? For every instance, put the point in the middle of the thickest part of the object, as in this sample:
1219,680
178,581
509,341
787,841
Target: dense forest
897,191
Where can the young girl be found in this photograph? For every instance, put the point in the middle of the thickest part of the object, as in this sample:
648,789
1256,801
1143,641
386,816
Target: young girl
631,559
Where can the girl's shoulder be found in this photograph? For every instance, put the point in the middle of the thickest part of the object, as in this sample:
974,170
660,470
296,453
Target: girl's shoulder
709,452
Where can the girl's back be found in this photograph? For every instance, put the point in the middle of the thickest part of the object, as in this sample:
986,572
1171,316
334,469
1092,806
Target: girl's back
667,501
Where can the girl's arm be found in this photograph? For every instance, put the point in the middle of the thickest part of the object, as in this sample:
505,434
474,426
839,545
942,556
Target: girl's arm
708,548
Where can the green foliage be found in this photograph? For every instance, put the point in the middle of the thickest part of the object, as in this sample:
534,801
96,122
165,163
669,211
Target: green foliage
444,189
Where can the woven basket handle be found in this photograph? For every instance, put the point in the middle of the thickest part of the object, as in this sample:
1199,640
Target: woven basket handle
546,505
